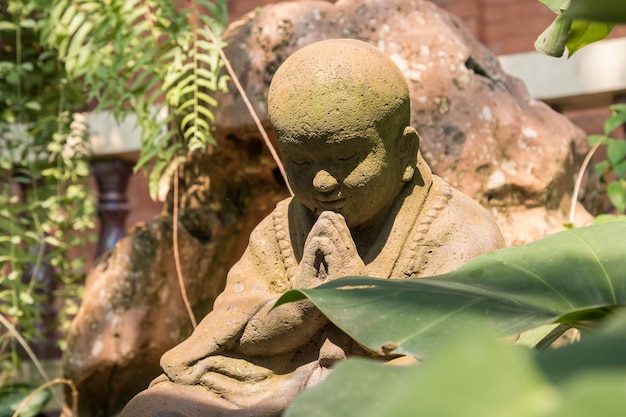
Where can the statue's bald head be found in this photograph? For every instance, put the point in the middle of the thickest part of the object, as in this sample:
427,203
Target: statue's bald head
337,86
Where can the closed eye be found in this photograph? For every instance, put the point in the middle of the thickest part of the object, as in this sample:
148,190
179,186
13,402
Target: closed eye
300,162
347,157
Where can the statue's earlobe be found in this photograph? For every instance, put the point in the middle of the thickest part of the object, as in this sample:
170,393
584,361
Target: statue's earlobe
409,171
409,145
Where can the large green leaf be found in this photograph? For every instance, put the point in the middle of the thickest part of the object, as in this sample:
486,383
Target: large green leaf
553,39
613,11
568,277
474,375
579,23
584,32
557,6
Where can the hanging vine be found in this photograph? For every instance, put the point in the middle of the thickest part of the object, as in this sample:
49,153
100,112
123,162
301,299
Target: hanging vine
46,207
151,60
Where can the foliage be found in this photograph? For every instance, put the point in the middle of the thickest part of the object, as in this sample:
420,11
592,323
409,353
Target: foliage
574,278
473,374
616,159
151,59
12,396
567,278
578,23
45,205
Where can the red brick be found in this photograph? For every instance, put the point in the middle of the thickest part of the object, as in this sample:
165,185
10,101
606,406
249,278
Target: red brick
510,12
590,120
529,27
516,45
462,8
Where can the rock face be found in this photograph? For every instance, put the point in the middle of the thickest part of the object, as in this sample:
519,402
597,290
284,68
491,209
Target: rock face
479,130
132,309
131,313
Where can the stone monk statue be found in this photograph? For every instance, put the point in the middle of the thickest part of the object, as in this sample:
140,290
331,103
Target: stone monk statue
365,203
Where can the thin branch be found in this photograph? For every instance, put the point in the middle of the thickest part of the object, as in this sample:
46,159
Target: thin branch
579,180
48,384
259,126
179,270
149,16
28,350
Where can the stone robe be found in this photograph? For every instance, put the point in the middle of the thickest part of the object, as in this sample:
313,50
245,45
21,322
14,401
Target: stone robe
232,370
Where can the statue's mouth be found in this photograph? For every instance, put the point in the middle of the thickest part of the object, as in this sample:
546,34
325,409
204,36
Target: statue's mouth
332,203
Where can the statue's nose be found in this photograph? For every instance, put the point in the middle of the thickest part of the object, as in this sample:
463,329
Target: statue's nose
324,182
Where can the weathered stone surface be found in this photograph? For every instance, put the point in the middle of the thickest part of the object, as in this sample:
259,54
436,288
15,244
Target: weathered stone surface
132,310
479,128
131,313
365,203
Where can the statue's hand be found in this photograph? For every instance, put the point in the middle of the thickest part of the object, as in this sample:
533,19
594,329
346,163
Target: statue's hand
210,368
186,362
329,253
181,372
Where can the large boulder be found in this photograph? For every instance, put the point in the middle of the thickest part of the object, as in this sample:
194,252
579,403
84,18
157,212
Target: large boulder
479,130
132,310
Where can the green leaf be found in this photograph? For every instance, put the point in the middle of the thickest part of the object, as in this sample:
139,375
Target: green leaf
552,40
600,348
584,32
11,396
617,194
618,107
620,169
33,105
557,6
617,119
27,23
533,337
607,218
26,298
567,277
363,388
593,139
78,47
485,378
598,10
616,151
602,168
27,67
5,25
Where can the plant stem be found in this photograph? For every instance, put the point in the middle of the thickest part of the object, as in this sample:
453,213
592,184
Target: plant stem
179,270
579,180
48,384
28,350
244,96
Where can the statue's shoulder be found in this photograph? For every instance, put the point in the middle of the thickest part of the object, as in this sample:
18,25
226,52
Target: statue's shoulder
470,220
270,241
278,219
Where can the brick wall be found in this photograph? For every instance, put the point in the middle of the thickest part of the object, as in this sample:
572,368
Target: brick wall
504,26
489,20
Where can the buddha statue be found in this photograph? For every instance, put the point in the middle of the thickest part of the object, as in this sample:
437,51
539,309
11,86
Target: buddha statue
365,203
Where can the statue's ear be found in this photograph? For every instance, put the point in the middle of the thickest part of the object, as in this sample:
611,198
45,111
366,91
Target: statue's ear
409,145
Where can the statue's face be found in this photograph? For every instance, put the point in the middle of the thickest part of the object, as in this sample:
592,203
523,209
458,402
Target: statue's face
356,173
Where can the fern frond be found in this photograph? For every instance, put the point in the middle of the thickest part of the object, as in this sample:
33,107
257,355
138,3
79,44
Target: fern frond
135,54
